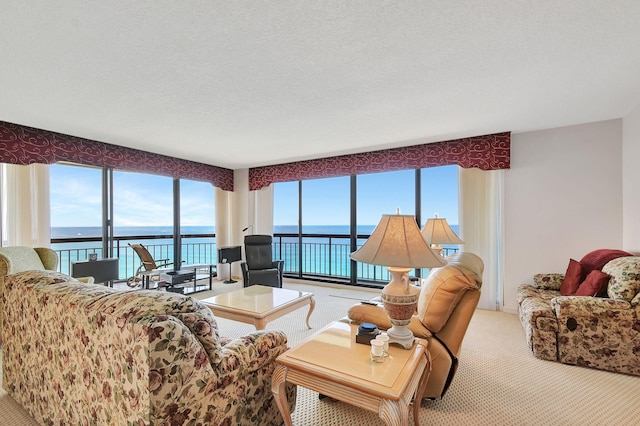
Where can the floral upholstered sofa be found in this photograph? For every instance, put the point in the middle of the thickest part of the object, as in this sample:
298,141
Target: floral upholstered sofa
76,353
598,327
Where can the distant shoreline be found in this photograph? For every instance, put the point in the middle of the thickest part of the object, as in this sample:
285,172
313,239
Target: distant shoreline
96,231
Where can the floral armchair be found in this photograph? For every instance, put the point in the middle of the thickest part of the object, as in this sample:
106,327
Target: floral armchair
601,332
18,259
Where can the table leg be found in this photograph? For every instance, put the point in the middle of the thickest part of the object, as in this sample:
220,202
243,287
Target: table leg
394,413
278,387
260,323
417,400
312,305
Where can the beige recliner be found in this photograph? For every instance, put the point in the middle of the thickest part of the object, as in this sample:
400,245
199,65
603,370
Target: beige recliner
19,259
446,304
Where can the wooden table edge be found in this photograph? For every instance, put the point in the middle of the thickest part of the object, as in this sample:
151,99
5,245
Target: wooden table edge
261,319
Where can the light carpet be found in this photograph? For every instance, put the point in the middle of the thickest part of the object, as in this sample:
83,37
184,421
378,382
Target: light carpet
499,381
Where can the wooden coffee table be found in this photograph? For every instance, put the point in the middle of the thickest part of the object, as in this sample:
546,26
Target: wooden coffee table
333,364
259,304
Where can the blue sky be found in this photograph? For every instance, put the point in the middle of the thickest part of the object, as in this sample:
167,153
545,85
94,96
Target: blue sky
139,199
326,201
145,200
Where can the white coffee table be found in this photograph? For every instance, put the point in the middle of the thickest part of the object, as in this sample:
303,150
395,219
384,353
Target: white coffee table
259,305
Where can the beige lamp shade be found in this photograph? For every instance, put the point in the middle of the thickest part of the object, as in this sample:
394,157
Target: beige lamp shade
397,242
437,231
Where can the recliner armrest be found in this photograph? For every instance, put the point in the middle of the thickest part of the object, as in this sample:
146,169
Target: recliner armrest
278,264
376,314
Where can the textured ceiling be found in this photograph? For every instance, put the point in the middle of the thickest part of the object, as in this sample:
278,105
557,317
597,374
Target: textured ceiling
247,83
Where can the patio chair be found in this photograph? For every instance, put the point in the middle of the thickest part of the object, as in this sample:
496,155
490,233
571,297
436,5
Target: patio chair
147,263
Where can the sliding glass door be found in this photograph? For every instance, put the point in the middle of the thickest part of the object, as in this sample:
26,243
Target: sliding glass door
197,222
76,212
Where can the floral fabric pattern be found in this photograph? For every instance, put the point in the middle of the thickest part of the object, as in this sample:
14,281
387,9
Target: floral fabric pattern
538,320
602,333
625,278
88,354
598,333
548,281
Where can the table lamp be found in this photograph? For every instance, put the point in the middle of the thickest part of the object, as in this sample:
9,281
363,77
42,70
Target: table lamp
398,244
437,231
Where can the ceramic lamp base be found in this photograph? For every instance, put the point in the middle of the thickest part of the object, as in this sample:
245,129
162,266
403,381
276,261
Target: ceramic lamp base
400,301
401,335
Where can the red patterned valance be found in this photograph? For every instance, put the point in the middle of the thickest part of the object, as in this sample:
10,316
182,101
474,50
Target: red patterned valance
489,152
27,145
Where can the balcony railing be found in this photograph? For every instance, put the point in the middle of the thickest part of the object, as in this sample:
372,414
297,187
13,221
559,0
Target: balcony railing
320,256
326,257
196,249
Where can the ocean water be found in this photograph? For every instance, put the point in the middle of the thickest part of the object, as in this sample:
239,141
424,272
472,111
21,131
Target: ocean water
195,250
321,254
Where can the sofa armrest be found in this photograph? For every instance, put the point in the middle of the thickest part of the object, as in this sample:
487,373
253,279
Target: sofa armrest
48,257
592,307
252,352
548,281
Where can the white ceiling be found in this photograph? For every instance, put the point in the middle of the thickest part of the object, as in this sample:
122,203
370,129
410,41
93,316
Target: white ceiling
248,83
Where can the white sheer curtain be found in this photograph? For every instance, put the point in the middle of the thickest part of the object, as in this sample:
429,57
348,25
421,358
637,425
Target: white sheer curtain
481,205
261,210
223,214
26,206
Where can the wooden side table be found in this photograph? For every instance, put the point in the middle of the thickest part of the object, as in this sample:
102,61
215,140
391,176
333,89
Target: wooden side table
333,364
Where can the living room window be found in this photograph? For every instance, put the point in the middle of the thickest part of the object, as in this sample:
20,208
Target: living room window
319,222
101,211
378,194
76,212
197,222
325,226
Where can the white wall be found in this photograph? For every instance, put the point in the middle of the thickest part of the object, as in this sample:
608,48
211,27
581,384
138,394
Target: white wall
631,181
563,198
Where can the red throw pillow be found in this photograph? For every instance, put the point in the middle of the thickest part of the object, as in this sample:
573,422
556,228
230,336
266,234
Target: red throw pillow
598,258
572,278
594,285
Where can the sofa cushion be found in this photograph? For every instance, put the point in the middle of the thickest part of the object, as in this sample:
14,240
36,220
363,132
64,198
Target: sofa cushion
596,259
625,278
445,287
594,285
572,278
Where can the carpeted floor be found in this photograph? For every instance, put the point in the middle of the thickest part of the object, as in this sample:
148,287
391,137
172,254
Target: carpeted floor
498,382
